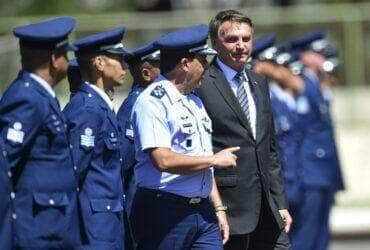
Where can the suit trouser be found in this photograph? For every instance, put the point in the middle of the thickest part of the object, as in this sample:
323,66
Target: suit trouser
310,230
267,235
165,221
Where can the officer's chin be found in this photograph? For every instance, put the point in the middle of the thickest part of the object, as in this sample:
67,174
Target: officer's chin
119,83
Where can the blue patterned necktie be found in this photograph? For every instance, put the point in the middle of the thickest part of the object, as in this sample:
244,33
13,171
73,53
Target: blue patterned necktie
242,94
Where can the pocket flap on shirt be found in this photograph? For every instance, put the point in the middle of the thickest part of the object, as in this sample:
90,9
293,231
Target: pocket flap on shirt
106,205
226,181
51,199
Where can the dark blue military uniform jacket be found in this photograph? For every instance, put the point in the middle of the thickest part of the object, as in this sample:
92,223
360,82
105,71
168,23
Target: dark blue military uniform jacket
318,152
128,146
36,144
95,136
124,119
6,194
287,147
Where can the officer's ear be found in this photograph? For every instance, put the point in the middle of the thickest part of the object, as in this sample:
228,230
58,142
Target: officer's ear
185,64
146,74
99,63
146,71
58,60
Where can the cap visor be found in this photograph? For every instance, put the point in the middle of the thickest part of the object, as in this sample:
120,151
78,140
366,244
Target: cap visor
153,58
119,51
207,52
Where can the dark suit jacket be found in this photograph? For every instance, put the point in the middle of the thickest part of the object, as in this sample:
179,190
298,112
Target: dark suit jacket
257,169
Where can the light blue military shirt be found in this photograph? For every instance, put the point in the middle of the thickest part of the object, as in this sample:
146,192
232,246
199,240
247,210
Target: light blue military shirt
163,117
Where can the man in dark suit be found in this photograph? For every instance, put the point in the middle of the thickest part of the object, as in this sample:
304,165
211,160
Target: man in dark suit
237,101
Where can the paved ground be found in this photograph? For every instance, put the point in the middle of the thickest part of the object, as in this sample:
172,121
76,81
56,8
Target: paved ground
350,221
358,244
350,229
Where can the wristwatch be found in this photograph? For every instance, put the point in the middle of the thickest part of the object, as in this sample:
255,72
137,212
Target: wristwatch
220,208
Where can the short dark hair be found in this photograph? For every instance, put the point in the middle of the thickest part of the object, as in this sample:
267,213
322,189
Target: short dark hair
86,64
34,58
85,61
169,59
224,16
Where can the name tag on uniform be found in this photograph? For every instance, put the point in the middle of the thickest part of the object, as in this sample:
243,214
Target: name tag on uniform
15,134
130,132
187,125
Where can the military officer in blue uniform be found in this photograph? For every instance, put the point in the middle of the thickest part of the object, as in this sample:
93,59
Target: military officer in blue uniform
36,145
6,194
144,68
288,134
318,155
176,201
95,136
320,160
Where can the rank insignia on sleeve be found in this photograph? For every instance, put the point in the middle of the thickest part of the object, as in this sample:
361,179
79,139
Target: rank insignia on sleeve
158,91
15,134
88,139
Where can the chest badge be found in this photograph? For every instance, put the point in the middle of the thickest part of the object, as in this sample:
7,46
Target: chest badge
15,134
88,139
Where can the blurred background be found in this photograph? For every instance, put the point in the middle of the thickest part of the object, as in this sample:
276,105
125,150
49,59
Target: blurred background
346,22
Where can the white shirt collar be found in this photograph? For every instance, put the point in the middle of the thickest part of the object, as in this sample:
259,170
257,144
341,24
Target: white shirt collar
228,72
102,95
44,84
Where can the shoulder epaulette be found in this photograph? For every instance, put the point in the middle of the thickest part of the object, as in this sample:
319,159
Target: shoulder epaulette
158,91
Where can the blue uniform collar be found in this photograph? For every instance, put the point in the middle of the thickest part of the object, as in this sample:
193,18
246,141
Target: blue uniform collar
32,83
43,83
102,94
84,87
136,87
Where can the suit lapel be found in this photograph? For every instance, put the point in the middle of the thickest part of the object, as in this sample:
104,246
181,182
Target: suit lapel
222,85
258,99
